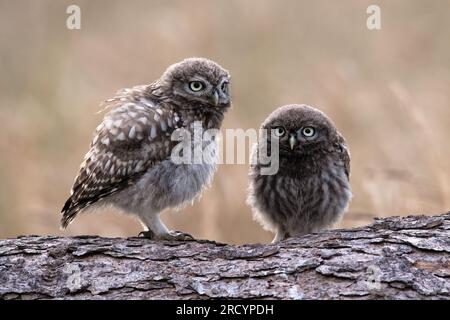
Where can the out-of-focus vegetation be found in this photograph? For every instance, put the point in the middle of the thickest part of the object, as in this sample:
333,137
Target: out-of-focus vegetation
388,92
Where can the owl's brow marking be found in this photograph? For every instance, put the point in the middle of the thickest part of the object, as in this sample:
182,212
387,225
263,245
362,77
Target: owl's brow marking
199,78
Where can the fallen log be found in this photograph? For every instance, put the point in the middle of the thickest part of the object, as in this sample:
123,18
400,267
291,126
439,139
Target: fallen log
393,258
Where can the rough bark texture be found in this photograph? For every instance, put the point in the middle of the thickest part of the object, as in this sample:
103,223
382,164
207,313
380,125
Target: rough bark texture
394,258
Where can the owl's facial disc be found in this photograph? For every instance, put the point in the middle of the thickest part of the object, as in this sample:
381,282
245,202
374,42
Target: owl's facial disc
297,140
302,136
206,92
304,131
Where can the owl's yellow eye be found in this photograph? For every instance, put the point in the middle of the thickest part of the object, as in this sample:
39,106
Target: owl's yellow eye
279,131
196,86
308,132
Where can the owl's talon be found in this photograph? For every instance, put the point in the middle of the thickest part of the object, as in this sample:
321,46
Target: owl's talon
146,234
178,236
170,236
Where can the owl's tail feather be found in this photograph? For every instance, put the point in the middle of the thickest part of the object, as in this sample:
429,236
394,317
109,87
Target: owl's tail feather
81,199
69,212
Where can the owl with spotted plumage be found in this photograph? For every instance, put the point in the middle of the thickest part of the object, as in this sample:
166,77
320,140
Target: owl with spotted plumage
310,190
129,163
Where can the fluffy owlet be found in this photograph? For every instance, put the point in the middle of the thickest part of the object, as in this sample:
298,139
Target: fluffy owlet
129,163
311,189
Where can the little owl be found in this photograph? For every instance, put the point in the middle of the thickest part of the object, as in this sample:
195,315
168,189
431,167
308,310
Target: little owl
129,163
310,191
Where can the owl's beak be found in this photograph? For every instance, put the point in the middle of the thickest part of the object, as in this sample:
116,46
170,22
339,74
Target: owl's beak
216,97
292,142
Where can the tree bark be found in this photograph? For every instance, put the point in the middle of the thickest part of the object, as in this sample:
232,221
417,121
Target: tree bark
393,258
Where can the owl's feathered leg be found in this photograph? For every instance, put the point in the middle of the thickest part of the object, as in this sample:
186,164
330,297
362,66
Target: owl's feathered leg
156,230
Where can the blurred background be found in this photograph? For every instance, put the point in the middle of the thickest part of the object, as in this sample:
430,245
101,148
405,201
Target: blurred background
388,91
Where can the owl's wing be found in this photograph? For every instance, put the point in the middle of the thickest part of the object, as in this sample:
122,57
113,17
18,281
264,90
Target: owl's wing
133,136
344,155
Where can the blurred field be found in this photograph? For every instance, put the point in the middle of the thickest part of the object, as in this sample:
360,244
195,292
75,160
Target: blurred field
388,91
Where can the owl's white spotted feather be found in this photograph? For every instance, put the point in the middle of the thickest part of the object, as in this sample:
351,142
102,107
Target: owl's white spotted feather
133,136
